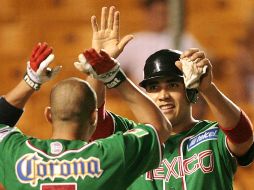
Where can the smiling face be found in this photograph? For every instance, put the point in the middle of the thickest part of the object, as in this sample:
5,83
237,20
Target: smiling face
170,96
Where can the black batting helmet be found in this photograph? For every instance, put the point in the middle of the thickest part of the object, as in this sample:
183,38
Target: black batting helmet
162,64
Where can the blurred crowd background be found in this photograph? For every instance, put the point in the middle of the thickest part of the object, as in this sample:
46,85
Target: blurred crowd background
224,29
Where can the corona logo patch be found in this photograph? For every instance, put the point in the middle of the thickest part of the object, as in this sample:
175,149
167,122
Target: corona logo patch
31,168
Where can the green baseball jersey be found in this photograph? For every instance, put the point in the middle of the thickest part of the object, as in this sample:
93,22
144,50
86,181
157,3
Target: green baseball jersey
193,160
112,163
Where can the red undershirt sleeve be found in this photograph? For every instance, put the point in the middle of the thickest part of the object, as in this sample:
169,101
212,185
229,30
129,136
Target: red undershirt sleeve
105,124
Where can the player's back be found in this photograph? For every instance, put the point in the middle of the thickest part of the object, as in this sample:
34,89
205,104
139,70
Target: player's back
30,163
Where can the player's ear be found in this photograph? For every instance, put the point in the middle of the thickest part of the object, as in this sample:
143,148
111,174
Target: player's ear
48,114
93,120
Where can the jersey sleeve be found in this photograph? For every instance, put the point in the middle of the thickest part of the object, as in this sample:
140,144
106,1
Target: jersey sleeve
122,124
10,138
225,153
138,150
143,149
110,123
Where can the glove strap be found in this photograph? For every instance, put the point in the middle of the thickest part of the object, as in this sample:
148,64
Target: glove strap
31,83
117,80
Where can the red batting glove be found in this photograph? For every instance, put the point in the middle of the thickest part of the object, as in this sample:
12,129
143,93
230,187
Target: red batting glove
101,66
39,53
101,62
38,71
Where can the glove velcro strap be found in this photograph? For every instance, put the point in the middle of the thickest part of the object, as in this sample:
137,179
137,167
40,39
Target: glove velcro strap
31,83
117,80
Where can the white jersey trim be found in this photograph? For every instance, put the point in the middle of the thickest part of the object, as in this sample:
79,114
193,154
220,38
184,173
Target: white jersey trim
181,154
226,144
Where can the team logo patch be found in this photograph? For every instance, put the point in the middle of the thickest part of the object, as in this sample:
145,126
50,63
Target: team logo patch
31,168
137,132
56,148
210,134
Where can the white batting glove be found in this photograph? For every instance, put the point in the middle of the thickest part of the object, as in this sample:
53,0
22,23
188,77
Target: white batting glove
38,71
101,67
192,73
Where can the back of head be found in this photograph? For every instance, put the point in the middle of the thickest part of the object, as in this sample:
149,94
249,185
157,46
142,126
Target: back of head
161,64
72,100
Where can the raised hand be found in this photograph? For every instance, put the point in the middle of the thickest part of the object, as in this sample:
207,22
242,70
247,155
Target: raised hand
107,36
38,71
197,69
101,67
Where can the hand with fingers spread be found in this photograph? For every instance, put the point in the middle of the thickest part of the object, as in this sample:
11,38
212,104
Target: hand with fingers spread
196,69
101,67
107,36
38,71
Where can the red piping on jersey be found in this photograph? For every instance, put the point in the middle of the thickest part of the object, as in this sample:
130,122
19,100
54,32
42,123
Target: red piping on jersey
242,132
105,124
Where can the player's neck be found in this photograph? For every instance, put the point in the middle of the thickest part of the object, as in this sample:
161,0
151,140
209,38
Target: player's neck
184,126
68,131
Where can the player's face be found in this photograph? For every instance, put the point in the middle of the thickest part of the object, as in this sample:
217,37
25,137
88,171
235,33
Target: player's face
169,95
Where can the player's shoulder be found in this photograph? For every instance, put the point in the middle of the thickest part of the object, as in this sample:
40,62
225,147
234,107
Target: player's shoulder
122,123
204,125
141,130
138,132
6,131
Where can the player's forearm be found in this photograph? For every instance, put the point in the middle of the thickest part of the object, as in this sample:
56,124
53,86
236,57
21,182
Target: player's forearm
144,109
18,96
233,121
99,88
226,112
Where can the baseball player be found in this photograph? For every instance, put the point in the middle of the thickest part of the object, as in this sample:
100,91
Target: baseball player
67,161
201,154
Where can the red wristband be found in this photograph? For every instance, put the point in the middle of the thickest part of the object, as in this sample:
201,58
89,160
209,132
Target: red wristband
242,132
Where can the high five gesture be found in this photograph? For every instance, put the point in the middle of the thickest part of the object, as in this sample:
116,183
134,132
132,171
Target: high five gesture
107,35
